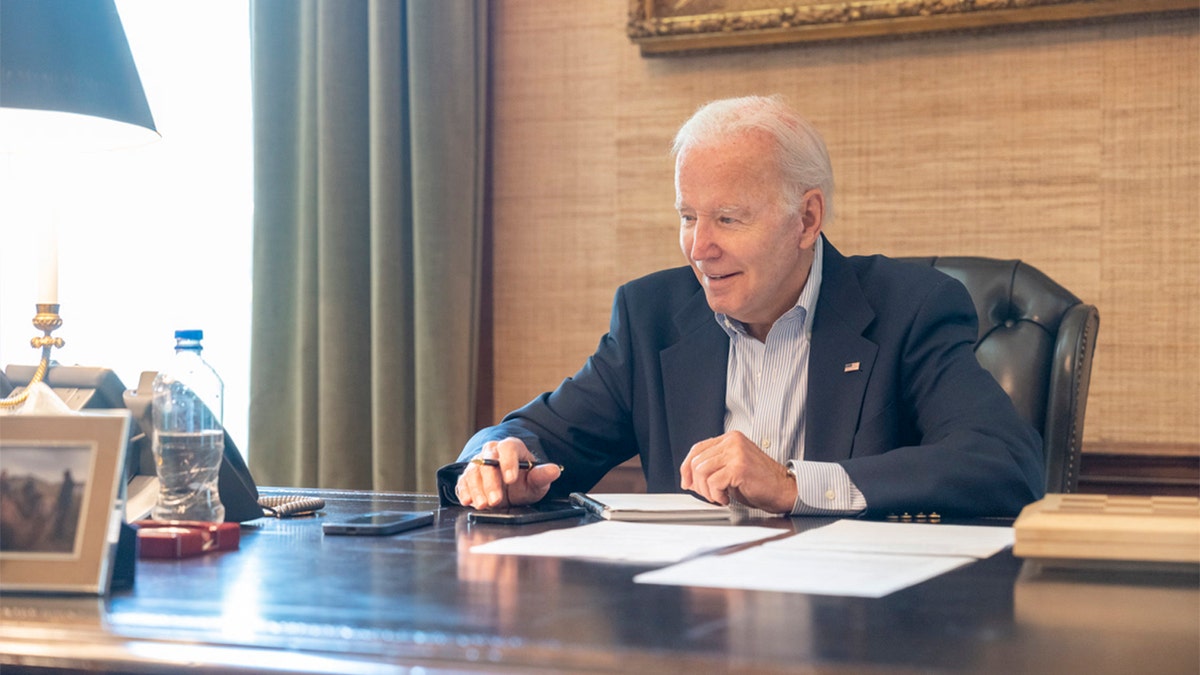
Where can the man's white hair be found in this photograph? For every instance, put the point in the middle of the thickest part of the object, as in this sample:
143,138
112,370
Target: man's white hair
801,151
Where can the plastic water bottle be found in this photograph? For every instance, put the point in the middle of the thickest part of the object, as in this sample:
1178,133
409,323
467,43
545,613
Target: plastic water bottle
189,440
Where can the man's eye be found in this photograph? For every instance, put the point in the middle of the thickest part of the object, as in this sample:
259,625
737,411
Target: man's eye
726,220
687,218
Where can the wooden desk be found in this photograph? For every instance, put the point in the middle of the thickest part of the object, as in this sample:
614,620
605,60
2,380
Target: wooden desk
292,600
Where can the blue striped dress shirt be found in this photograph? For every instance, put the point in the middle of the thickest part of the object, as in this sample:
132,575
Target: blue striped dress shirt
765,392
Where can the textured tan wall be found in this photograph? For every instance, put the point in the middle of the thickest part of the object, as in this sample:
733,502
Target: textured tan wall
1074,148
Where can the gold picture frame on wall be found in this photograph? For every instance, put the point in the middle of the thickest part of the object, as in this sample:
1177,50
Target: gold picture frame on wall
665,26
60,494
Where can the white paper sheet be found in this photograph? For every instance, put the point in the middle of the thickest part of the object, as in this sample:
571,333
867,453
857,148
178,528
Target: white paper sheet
860,536
848,557
648,543
775,568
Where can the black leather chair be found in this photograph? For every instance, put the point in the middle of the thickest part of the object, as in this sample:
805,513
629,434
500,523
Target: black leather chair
1037,339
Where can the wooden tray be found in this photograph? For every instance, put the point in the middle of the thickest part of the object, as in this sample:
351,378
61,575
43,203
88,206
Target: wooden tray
1080,527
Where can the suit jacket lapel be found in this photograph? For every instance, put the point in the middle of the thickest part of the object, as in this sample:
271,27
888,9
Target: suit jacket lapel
840,362
693,376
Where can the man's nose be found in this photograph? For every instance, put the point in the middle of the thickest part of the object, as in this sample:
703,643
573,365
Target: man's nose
704,246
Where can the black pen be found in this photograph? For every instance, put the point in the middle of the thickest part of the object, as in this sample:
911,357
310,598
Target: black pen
523,464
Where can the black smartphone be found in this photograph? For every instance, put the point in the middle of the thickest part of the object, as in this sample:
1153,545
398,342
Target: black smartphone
381,523
519,515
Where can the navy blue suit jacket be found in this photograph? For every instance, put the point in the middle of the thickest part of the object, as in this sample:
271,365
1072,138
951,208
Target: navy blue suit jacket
918,424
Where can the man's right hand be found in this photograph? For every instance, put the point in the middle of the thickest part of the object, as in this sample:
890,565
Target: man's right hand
490,487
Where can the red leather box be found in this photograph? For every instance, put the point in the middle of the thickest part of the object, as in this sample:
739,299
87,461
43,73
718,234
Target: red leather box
183,539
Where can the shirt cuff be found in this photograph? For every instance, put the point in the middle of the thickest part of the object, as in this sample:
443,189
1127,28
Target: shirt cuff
825,489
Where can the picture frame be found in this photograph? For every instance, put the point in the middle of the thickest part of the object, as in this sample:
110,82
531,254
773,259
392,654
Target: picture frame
666,26
61,479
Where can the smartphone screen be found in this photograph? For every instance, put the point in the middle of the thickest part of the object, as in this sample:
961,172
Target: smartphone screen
381,523
519,515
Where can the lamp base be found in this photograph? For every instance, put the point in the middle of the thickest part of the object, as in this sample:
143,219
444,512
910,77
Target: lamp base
46,320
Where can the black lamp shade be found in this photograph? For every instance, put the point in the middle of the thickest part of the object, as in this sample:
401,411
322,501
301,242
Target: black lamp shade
69,56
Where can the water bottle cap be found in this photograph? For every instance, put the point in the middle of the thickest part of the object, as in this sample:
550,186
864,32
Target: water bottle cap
189,335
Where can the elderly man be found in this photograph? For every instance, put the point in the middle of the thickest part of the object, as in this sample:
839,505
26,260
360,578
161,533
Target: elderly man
772,372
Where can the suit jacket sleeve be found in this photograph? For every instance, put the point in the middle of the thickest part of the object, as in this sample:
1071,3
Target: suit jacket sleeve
654,387
936,432
584,424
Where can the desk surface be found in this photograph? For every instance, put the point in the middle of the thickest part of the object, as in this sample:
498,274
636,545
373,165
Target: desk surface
293,600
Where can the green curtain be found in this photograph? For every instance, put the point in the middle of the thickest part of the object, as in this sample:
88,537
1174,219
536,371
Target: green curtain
369,140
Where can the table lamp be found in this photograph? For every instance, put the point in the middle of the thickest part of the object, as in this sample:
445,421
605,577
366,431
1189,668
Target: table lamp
67,82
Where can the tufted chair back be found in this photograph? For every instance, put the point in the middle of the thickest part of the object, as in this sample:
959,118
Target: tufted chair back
1037,340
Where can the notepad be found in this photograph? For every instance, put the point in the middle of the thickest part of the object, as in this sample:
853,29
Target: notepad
649,507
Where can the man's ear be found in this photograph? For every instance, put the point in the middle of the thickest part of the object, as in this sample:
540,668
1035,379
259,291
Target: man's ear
812,217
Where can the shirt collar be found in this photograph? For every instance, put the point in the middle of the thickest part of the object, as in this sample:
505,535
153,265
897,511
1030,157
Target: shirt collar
806,304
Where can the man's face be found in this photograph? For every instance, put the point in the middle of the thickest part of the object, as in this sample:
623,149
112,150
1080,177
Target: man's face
750,252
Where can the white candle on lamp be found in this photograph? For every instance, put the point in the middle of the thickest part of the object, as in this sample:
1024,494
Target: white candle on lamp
48,267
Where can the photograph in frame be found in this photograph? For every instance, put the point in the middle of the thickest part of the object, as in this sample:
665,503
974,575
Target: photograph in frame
60,488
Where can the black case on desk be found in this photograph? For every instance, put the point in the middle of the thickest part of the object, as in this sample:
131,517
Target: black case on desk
99,388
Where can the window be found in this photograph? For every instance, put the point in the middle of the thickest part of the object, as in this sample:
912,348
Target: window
154,238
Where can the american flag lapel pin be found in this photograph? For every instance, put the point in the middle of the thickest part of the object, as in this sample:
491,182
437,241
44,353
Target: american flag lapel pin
852,367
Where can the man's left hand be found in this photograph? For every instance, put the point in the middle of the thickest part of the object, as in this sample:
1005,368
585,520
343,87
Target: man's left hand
731,467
